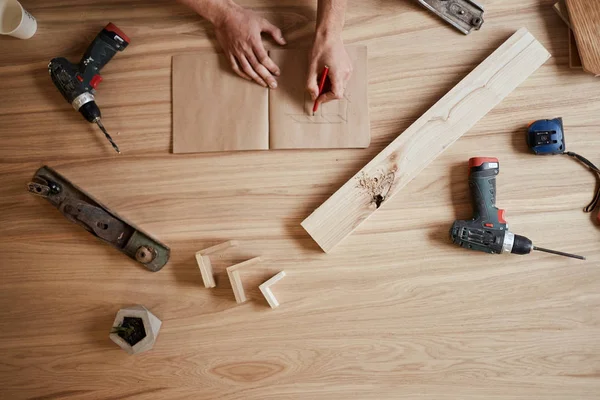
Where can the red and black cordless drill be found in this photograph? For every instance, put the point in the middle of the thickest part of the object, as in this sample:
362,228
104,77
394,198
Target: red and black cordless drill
78,83
488,230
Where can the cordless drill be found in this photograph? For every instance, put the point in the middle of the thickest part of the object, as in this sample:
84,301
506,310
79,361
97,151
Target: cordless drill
488,230
78,83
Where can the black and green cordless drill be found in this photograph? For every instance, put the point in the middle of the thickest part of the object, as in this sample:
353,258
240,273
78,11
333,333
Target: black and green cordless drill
78,82
488,230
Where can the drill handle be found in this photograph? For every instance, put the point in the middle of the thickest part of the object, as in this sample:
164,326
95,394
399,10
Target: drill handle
482,182
105,45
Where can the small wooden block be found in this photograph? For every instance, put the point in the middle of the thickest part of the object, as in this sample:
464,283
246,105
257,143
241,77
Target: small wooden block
206,270
265,288
204,261
236,282
219,247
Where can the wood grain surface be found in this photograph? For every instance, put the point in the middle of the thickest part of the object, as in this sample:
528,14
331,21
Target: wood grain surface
585,22
397,312
437,129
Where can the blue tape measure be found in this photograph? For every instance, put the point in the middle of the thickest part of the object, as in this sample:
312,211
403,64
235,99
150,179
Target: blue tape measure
546,136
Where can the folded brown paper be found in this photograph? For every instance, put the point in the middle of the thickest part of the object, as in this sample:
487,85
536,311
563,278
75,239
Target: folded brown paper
215,110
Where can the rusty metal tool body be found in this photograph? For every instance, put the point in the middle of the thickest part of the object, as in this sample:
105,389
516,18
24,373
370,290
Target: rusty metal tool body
464,15
85,211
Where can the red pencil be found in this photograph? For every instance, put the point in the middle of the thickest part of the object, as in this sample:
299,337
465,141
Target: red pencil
321,86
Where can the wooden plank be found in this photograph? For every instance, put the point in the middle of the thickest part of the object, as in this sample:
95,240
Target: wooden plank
585,20
402,160
244,264
233,273
204,264
237,286
219,247
265,289
206,270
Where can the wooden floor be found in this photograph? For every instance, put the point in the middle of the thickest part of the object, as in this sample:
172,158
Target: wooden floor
395,312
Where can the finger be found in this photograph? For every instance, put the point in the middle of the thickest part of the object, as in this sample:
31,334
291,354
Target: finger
264,59
261,70
312,86
336,93
236,68
247,68
273,31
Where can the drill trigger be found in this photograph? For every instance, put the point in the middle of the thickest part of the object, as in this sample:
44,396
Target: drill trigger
95,81
501,214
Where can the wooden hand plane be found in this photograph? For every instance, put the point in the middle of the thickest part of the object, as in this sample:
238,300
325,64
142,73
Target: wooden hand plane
85,211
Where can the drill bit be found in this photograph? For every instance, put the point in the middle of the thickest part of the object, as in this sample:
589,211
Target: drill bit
112,142
559,253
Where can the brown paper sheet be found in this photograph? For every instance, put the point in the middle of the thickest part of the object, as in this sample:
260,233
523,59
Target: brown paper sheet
338,124
214,109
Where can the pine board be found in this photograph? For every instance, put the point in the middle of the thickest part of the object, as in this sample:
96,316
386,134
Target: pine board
451,117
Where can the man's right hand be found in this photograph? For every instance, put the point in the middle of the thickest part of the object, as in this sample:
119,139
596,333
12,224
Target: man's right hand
239,34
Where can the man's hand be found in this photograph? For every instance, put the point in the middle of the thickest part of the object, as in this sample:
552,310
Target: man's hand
239,32
328,49
330,52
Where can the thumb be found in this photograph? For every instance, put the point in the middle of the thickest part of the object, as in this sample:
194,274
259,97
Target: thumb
336,93
325,98
312,87
273,31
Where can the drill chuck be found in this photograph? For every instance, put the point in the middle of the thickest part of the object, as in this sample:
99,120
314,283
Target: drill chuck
521,245
82,99
90,111
516,244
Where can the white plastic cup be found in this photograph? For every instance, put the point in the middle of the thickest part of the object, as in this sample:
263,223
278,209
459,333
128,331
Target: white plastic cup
15,20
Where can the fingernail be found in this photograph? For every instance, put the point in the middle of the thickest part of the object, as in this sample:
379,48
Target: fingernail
273,85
